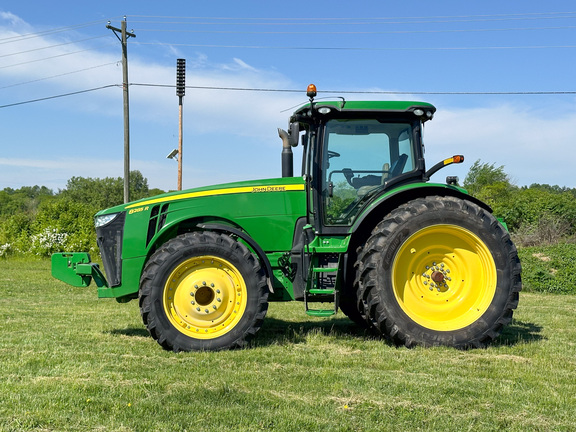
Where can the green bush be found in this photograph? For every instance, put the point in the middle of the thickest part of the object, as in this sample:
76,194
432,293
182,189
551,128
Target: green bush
15,234
35,221
63,225
58,225
549,269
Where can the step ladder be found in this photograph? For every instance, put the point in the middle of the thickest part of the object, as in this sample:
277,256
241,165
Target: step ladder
322,290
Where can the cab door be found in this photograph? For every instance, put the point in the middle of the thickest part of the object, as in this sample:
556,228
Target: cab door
359,159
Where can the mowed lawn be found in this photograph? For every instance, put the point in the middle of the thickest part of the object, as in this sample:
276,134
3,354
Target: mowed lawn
69,361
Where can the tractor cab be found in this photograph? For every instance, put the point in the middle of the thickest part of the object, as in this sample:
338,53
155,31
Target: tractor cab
354,152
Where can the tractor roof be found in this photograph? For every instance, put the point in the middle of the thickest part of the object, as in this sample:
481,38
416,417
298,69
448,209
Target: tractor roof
381,106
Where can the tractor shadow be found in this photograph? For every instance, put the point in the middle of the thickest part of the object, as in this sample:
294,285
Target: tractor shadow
130,332
519,332
276,331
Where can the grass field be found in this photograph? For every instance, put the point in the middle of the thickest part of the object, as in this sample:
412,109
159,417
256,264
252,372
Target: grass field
72,362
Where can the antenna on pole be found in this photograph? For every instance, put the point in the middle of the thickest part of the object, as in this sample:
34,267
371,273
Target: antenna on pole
180,91
123,38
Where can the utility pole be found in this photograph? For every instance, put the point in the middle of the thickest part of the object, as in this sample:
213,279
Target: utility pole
180,91
124,35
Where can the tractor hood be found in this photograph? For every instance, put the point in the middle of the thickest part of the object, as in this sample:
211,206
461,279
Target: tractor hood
245,187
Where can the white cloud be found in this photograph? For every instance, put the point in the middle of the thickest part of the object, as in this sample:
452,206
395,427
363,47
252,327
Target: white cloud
212,110
531,147
13,20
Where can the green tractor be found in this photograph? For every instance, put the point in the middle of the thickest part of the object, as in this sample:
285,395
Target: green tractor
361,230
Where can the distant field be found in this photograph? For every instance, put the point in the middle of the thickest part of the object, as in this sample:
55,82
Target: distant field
71,362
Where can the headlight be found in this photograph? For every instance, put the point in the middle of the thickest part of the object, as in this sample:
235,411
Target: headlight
104,219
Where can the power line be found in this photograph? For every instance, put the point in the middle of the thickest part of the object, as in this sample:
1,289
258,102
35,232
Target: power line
357,22
59,75
360,92
60,95
272,90
53,46
300,48
52,57
428,19
21,37
358,32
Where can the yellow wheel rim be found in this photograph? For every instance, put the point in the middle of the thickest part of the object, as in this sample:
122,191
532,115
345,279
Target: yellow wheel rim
205,297
444,277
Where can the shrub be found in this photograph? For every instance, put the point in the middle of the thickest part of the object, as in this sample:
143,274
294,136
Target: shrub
549,229
64,225
47,242
549,269
15,233
4,249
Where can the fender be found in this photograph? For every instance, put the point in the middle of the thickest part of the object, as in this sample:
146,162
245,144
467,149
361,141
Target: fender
241,234
389,201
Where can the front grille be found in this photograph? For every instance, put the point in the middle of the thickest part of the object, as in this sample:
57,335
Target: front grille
109,238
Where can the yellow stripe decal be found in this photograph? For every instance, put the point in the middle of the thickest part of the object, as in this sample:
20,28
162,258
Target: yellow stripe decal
215,192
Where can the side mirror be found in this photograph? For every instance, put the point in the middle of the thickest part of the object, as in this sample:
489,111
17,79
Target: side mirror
293,134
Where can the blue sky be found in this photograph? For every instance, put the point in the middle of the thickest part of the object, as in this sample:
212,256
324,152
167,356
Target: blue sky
480,63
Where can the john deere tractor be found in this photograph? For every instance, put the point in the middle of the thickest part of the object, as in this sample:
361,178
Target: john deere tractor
361,230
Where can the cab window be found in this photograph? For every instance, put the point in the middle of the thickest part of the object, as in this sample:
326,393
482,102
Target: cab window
360,156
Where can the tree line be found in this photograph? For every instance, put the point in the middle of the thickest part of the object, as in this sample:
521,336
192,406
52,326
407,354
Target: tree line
536,215
38,221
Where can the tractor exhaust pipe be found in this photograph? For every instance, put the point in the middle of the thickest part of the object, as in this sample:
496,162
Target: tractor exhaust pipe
287,156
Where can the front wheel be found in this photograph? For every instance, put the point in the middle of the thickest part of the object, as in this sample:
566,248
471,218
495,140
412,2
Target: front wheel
203,291
439,271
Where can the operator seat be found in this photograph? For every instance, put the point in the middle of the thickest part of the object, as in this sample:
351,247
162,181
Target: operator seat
385,174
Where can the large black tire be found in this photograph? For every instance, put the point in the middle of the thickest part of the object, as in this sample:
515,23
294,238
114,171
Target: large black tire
349,306
203,291
438,271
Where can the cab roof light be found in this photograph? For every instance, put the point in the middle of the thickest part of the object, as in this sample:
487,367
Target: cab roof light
311,91
427,115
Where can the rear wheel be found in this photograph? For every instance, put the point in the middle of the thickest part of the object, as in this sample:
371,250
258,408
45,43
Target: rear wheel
203,291
439,271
